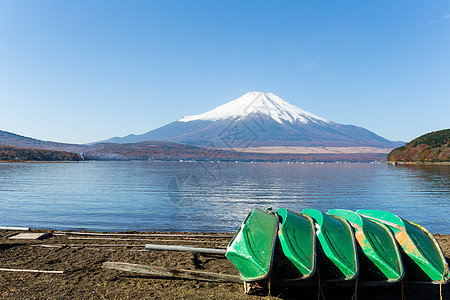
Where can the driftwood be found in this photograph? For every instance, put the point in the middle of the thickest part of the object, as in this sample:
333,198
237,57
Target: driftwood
144,234
150,247
172,273
143,240
84,245
185,248
14,228
28,235
33,271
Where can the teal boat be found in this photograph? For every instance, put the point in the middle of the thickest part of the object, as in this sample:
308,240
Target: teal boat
337,257
252,247
422,255
295,252
379,257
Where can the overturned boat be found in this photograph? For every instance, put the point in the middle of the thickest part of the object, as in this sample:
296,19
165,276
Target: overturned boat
374,247
422,255
337,254
295,251
379,254
252,247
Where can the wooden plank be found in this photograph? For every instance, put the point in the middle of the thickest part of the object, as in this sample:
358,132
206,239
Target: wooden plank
172,273
32,271
85,245
229,236
28,235
14,228
185,248
143,240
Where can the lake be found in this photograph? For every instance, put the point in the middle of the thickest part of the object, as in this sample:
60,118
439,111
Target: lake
211,196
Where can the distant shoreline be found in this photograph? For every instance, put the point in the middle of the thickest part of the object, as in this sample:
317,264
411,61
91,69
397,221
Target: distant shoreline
443,163
38,161
314,150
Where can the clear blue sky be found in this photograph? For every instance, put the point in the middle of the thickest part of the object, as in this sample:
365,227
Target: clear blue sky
83,71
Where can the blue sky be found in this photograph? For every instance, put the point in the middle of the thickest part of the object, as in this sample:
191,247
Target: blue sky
83,71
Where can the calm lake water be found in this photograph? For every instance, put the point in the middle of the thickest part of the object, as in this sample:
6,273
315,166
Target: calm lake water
193,196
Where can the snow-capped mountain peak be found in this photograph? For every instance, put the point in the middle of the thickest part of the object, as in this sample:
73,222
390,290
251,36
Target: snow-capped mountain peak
272,122
263,104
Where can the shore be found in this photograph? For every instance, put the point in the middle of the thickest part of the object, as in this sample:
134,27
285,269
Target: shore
39,161
314,150
420,163
80,257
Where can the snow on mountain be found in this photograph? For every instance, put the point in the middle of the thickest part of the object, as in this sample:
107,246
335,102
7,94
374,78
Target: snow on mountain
263,104
260,119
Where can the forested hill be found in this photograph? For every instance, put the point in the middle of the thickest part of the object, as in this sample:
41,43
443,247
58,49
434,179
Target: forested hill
17,147
21,154
166,151
15,140
430,147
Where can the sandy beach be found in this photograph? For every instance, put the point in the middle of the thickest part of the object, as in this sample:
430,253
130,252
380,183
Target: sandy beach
80,257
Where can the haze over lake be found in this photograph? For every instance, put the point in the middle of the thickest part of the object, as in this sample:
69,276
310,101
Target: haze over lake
211,196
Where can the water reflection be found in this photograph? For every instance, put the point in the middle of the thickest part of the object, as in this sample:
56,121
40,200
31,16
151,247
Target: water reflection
165,196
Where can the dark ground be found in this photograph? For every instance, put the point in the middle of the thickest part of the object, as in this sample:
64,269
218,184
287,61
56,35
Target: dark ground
81,258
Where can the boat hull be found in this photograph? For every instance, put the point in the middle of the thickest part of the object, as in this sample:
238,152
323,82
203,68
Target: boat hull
379,256
422,256
337,257
295,253
252,247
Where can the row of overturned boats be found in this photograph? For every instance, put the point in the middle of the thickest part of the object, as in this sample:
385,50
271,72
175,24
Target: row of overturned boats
340,245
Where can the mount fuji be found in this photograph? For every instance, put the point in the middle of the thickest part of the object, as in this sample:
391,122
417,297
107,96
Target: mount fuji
260,119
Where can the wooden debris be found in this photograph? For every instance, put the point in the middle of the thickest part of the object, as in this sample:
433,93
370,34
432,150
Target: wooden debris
14,228
85,245
49,246
143,240
145,234
28,235
247,287
185,248
150,247
172,273
32,271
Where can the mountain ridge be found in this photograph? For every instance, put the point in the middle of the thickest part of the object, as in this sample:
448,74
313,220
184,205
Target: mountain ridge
32,149
20,141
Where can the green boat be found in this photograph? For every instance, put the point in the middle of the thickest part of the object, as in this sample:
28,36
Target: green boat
379,257
337,257
252,247
422,255
295,251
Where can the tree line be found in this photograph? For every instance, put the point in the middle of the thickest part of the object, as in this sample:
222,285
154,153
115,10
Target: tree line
430,147
8,153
